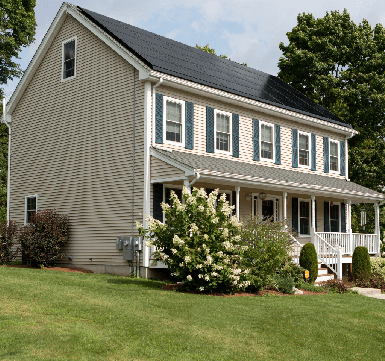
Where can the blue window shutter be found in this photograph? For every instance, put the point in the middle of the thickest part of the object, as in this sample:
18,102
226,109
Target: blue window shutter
277,144
294,208
326,155
326,217
236,135
313,153
256,140
157,199
343,218
294,136
159,118
189,125
342,155
209,130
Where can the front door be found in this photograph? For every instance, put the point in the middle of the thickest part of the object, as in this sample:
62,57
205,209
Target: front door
269,208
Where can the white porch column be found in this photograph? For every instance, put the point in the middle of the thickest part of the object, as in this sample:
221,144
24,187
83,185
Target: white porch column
186,183
237,190
284,200
346,159
377,227
349,225
312,229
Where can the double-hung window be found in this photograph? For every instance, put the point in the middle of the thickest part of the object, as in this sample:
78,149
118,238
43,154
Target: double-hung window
334,156
69,59
304,217
223,128
303,149
30,207
267,141
174,116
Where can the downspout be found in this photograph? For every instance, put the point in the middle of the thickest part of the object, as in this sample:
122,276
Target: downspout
153,109
194,180
9,157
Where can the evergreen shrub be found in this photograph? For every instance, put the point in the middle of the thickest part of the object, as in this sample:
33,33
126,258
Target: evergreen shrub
361,264
309,261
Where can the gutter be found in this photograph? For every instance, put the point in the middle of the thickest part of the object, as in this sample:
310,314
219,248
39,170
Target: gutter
9,157
153,109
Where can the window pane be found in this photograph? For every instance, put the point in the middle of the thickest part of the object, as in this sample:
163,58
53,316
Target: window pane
174,112
335,218
334,149
303,142
304,209
69,59
334,163
173,131
69,50
266,150
223,141
223,123
304,217
304,226
31,204
266,133
303,157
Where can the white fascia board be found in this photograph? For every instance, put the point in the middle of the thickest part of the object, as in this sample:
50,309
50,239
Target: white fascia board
167,180
188,170
238,100
290,186
60,17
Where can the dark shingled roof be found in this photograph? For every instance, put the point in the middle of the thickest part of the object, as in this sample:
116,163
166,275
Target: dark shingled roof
211,163
174,58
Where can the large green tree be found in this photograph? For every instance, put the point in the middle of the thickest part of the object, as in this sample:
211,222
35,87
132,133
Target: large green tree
341,66
17,30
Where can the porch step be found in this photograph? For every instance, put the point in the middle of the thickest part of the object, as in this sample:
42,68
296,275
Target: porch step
324,278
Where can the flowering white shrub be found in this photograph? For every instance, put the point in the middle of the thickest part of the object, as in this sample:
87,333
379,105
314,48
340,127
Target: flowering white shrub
200,242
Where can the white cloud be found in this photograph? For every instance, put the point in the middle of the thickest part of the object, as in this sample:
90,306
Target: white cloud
173,34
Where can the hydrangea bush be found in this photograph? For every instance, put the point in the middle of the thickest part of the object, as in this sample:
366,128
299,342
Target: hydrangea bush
200,242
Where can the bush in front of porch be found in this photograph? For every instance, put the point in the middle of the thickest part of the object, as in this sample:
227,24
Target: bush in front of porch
309,261
361,264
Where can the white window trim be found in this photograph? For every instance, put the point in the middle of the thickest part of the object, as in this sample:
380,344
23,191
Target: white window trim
216,111
339,215
183,115
309,137
299,216
62,58
271,197
339,156
25,205
260,141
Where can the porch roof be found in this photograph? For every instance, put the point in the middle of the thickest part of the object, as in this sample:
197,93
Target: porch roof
212,166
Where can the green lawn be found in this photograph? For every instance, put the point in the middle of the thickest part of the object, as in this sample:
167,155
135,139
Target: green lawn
51,315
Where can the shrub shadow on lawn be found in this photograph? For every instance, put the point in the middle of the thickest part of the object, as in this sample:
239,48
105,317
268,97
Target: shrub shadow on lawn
142,283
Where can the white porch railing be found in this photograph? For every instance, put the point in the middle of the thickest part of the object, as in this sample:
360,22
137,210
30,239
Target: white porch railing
347,242
366,240
295,250
329,255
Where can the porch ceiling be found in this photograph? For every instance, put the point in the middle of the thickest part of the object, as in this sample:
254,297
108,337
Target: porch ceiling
234,170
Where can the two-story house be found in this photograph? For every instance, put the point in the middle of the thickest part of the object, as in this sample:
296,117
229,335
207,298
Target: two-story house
108,118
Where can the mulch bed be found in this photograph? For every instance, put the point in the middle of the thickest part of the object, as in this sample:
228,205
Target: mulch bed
179,287
63,269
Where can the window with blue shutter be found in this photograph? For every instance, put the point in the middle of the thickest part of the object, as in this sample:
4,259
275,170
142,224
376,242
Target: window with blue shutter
157,199
343,218
236,135
209,130
159,118
277,144
326,217
189,125
342,155
294,209
294,136
256,140
313,153
326,155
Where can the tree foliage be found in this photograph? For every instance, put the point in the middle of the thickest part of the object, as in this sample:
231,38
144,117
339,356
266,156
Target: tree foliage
340,65
209,50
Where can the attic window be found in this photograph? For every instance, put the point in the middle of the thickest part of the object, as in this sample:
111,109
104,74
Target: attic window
69,59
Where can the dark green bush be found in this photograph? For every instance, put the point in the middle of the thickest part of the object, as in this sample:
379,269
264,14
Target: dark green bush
309,261
42,238
284,284
361,264
8,238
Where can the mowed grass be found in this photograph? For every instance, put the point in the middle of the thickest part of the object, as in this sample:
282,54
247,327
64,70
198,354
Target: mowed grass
51,315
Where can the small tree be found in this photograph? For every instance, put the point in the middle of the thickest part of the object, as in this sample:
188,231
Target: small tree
8,238
361,264
200,242
42,238
309,261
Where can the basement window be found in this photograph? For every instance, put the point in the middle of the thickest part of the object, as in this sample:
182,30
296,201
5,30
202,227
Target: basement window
69,59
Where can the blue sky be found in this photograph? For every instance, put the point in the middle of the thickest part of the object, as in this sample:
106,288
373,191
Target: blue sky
245,30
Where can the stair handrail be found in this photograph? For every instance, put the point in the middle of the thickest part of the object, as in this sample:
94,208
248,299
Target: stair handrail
329,255
295,250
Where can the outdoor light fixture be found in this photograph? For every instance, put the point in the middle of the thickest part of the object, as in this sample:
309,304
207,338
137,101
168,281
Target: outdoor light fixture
248,196
331,204
262,196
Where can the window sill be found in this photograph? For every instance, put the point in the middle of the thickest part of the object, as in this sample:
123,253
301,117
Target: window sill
222,152
170,142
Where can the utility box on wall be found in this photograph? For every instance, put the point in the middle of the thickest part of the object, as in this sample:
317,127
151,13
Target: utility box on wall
129,245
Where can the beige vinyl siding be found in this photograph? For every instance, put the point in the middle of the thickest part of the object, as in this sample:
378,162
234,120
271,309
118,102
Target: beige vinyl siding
163,170
246,131
72,145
